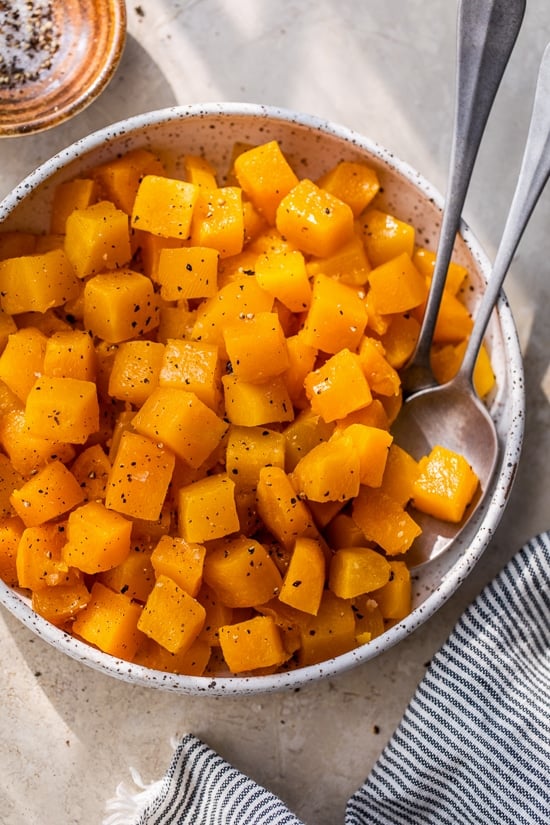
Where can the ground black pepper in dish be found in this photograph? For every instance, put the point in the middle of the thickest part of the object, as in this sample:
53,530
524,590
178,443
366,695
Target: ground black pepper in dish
28,41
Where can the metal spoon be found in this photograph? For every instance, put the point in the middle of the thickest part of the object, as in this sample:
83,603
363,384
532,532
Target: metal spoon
487,32
452,414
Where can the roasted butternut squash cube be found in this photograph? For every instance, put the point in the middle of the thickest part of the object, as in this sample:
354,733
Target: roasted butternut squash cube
385,236
207,509
252,644
349,264
372,445
384,521
7,327
338,387
330,633
180,561
397,286
373,415
265,176
26,451
382,377
23,360
118,180
301,361
242,572
134,576
62,409
175,322
110,622
400,474
357,570
312,219
235,300
424,260
68,196
218,220
70,354
120,306
331,471
343,531
35,283
355,183
454,322
171,616
188,272
394,598
11,530
445,486
97,538
165,206
39,561
304,580
256,347
135,371
369,621
283,274
217,615
182,422
306,431
199,171
248,450
399,339
284,514
336,318
446,361
97,238
193,366
61,603
252,404
140,474
48,494
192,661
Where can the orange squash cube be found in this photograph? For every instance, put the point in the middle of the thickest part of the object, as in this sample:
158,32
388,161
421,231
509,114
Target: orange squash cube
68,196
26,451
218,220
384,521
140,474
248,450
242,573
110,622
330,633
349,264
372,447
446,361
23,360
313,220
193,366
48,494
306,431
357,570
235,300
11,530
445,486
134,576
62,409
394,598
399,339
331,471
400,474
39,561
424,260
369,621
164,206
199,171
283,274
304,580
281,510
354,183
97,238
207,509
192,661
188,272
35,283
397,286
97,538
217,615
252,644
63,602
70,354
135,371
251,404
119,179
385,237
336,318
382,377
256,347
338,387
265,176
301,361
180,561
120,306
171,616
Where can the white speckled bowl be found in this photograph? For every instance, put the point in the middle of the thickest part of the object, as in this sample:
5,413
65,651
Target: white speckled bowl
313,146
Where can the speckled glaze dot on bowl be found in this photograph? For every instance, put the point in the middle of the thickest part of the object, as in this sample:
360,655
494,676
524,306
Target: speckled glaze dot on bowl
56,57
313,146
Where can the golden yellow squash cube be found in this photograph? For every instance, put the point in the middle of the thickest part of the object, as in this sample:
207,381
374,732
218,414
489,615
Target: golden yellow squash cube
120,305
62,409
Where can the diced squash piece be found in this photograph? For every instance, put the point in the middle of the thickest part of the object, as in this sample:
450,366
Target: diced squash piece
110,622
399,339
336,318
135,371
26,451
385,236
282,511
343,531
242,573
140,474
70,354
371,445
180,561
252,404
134,576
11,530
348,264
373,415
218,220
252,644
171,616
397,286
62,409
304,580
382,377
454,322
199,171
329,472
394,598
283,274
39,560
313,220
330,633
97,239
97,538
119,179
306,431
16,243
182,422
424,260
217,615
7,328
400,474
192,661
235,300
207,510
34,283
384,521
354,183
165,206
248,450
301,361
254,222
265,176
188,272
446,361
357,570
61,603
78,193
445,486
120,306
338,387
256,347
23,360
193,366
369,621
175,322
47,495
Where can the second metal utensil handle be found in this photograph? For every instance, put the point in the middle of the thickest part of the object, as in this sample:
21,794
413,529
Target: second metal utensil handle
487,32
533,175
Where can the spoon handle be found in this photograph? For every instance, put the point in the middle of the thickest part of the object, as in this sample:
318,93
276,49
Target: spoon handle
533,175
487,32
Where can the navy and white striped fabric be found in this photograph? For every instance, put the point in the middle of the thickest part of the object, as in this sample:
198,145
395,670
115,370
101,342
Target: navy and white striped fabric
472,749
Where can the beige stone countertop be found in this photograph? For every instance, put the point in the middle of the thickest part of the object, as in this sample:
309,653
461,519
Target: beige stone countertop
68,734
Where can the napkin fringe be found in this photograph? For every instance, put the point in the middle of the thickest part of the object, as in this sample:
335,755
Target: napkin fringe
128,804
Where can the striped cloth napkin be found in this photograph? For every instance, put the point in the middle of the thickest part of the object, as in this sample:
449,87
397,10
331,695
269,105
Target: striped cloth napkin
473,747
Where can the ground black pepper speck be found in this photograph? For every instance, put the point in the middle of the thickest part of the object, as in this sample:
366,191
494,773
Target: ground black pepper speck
28,41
